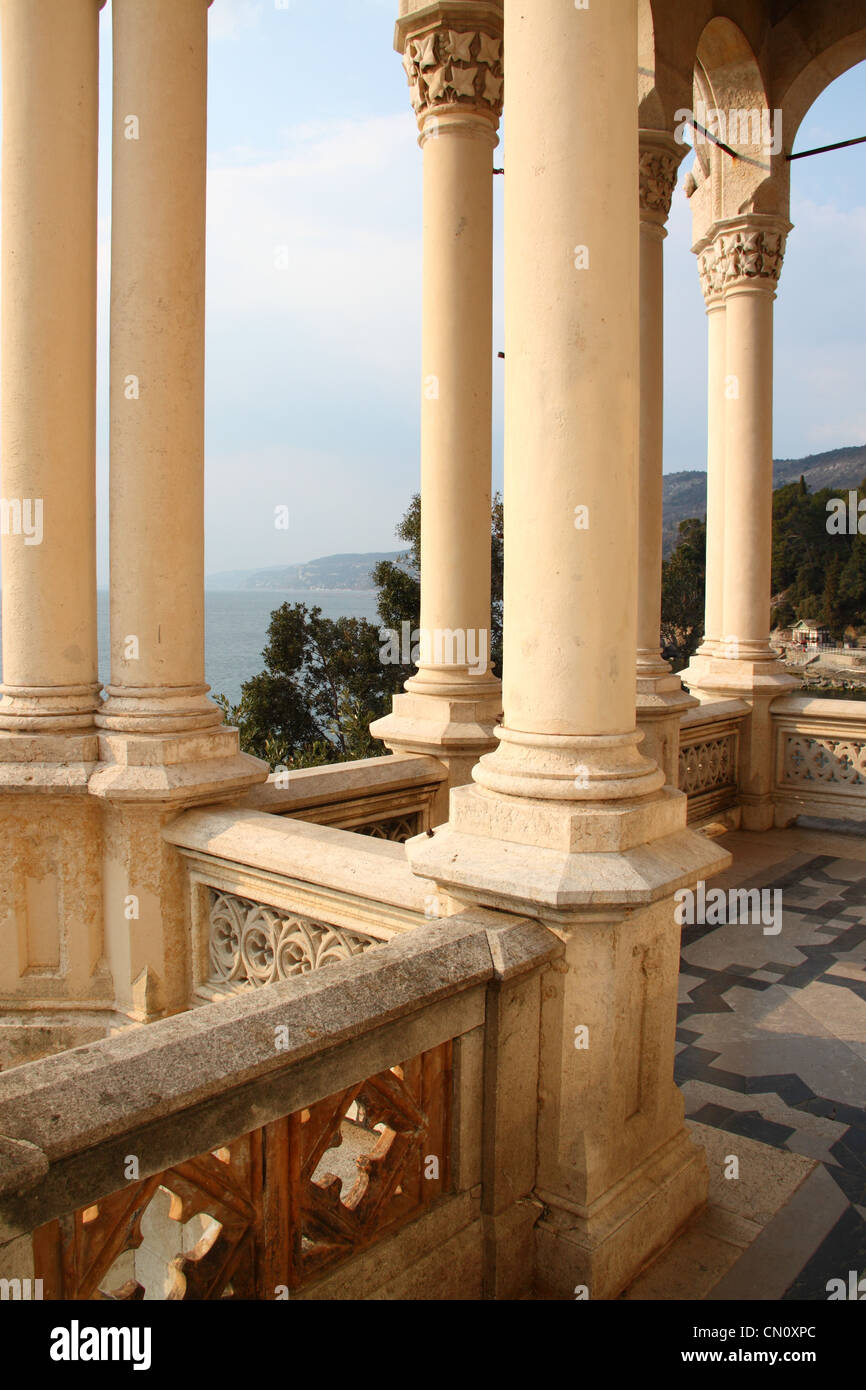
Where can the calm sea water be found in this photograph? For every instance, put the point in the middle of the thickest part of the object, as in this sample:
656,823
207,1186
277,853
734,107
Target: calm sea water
236,628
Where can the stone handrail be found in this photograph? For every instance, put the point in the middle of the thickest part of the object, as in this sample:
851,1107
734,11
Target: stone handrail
272,896
194,1084
389,798
709,757
820,758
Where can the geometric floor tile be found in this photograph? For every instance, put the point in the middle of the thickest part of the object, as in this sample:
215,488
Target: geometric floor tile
772,1039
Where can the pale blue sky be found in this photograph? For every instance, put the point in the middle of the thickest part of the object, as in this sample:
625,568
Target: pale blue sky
313,371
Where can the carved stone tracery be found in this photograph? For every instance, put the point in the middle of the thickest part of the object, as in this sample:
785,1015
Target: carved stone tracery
453,67
253,944
708,765
832,760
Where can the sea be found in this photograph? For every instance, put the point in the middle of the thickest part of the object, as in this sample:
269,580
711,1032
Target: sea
236,628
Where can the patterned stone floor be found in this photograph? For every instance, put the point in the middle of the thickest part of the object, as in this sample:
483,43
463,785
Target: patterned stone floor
772,1047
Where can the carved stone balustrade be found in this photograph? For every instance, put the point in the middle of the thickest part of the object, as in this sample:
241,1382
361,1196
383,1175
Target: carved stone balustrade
710,759
284,1146
389,798
272,896
820,758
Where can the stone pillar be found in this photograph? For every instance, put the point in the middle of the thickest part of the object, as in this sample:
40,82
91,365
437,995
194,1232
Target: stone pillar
50,689
452,53
568,822
162,744
51,959
742,259
157,369
661,699
716,377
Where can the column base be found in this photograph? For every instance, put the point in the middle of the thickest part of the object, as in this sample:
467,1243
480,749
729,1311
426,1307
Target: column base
602,1247
660,704
568,769
189,769
455,729
158,709
712,677
49,709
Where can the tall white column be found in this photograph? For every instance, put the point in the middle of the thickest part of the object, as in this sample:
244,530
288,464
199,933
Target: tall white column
568,821
661,699
157,369
740,264
711,270
162,743
453,58
50,78
714,621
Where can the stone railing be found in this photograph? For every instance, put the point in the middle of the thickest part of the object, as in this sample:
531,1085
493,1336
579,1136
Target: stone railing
710,757
820,758
389,798
279,1143
272,897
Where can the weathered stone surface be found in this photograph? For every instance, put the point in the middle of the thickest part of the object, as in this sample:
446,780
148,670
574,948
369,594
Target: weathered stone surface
316,854
21,1163
178,1062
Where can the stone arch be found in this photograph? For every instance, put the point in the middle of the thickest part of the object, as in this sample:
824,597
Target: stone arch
807,59
651,109
731,91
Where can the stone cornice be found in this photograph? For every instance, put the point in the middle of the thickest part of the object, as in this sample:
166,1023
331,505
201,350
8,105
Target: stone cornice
742,253
452,55
660,159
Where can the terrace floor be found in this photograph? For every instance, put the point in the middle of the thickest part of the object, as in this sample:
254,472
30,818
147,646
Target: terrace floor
772,1063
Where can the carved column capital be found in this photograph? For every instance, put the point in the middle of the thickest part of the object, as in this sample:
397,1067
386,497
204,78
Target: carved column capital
742,253
452,56
660,159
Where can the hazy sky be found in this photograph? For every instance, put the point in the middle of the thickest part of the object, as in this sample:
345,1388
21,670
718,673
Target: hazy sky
313,370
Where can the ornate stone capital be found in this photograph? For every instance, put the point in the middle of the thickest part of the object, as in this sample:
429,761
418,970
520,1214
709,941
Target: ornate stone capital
660,158
452,56
744,252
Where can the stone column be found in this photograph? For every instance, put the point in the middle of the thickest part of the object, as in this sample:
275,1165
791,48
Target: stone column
50,116
452,53
157,369
50,887
568,821
162,743
716,377
661,699
742,259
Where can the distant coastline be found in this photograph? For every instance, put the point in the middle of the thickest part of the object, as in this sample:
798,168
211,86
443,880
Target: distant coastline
329,574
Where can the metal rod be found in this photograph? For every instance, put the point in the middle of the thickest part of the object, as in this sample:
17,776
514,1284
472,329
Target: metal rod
714,138
823,149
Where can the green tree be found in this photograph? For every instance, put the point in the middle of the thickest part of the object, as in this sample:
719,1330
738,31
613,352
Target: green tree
399,582
326,679
324,682
683,590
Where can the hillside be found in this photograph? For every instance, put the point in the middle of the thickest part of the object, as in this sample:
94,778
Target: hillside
685,494
329,572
